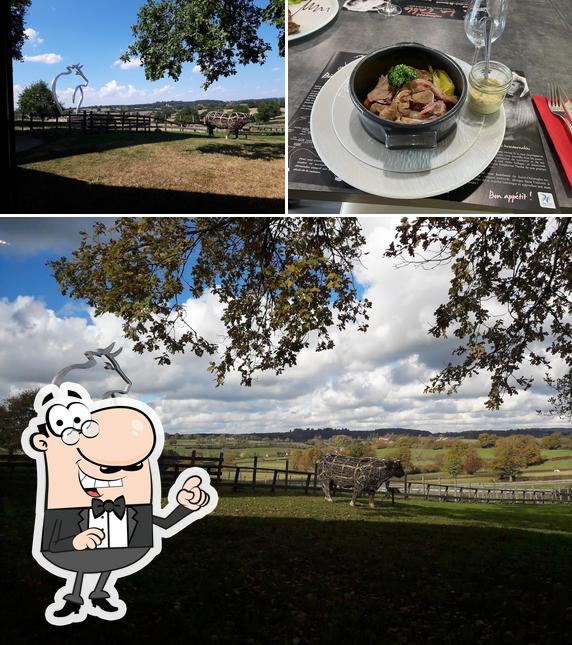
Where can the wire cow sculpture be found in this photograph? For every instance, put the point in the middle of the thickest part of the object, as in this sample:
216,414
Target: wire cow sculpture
364,475
110,363
232,122
79,88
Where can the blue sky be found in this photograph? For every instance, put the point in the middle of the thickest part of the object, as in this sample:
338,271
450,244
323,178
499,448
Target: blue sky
64,32
367,381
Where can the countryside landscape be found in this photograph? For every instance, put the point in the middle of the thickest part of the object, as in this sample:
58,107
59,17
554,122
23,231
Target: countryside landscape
534,457
162,153
139,124
471,544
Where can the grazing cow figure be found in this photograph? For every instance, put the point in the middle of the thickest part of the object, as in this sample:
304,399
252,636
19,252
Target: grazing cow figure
364,474
232,122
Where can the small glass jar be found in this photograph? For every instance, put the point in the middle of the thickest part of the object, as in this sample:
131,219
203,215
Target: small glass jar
487,95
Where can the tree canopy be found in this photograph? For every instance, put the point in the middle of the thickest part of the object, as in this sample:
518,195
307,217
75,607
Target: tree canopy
15,414
37,99
513,454
188,115
283,283
268,110
508,301
453,461
19,9
216,35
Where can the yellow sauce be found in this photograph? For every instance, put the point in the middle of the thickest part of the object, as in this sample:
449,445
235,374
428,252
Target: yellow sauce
487,97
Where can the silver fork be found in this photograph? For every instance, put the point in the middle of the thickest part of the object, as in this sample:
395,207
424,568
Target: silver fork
565,102
555,106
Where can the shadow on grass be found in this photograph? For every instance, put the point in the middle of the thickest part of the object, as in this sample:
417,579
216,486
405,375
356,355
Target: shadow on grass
236,579
264,151
56,145
40,192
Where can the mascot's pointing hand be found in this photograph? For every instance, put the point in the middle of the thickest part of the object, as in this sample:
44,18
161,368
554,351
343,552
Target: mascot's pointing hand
192,496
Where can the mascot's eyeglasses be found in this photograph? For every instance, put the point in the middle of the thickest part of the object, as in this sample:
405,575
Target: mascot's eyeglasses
71,421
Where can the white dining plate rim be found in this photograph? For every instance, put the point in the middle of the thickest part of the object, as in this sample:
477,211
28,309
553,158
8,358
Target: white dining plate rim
334,4
397,185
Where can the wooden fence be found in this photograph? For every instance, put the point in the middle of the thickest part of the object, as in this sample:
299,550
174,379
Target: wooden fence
253,128
488,494
19,471
95,122
89,122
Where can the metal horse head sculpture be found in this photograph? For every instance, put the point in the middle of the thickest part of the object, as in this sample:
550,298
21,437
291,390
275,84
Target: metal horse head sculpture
106,353
70,70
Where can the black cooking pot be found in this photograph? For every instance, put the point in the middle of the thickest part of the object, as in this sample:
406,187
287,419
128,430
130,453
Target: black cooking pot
397,135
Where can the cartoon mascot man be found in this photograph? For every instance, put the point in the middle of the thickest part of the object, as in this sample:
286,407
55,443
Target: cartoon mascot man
98,502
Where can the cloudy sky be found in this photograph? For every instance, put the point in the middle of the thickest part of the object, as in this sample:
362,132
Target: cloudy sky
64,32
368,381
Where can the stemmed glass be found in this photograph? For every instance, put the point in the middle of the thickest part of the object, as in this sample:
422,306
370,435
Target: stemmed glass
474,28
388,9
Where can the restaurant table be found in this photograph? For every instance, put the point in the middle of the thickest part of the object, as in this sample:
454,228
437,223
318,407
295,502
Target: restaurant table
537,40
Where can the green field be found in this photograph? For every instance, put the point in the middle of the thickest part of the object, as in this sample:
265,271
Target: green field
153,172
295,569
240,451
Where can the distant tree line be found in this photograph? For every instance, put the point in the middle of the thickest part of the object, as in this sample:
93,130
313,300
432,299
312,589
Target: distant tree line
264,111
511,454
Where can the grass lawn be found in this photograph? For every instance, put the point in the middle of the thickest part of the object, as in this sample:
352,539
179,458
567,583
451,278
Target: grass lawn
295,569
152,172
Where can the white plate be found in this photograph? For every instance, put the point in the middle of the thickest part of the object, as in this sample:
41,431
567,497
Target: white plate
398,185
312,15
356,140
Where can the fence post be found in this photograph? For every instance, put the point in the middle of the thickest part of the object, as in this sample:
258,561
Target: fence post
308,480
69,122
137,122
236,477
193,457
392,490
91,121
286,474
274,480
405,493
31,122
315,476
255,466
219,471
177,471
84,122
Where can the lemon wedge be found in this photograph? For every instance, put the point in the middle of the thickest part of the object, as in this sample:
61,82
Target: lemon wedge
443,81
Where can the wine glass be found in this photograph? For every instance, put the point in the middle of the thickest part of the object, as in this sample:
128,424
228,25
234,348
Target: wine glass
388,9
474,26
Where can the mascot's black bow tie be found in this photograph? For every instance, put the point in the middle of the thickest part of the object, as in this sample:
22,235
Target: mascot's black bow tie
117,506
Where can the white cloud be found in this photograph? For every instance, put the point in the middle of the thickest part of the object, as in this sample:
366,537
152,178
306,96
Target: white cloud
217,89
48,59
162,90
197,69
50,234
33,37
131,64
368,381
17,91
110,93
